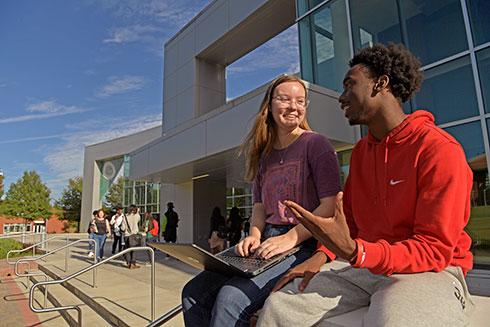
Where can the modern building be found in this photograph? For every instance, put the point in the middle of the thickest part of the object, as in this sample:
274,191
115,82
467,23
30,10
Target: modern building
193,156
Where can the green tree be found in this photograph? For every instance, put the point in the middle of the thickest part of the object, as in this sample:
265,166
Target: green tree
28,198
70,201
114,196
1,185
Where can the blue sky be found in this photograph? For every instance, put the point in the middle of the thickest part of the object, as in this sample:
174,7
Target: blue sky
74,73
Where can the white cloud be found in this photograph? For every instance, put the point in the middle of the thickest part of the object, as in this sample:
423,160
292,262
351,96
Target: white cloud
66,160
44,110
281,51
170,11
150,22
30,139
135,33
118,85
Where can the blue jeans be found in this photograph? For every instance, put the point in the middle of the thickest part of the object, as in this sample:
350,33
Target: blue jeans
90,244
212,299
100,241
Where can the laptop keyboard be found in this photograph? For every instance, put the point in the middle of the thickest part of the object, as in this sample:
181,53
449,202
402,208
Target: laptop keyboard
245,264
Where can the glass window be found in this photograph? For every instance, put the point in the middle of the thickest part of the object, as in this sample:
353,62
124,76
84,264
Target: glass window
479,11
470,137
434,29
305,5
325,45
483,59
448,91
368,28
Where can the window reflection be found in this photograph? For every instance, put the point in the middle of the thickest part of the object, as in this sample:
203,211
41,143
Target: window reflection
305,5
471,138
430,25
448,92
423,26
483,59
326,33
368,28
479,12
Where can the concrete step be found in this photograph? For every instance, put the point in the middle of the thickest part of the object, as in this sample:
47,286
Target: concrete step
59,296
122,296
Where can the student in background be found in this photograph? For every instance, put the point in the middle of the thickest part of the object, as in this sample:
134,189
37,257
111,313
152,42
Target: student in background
100,230
118,228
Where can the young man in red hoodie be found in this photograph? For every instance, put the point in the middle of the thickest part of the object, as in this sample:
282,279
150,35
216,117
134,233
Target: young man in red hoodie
399,223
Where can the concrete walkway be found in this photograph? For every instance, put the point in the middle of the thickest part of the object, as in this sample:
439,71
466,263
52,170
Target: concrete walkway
122,295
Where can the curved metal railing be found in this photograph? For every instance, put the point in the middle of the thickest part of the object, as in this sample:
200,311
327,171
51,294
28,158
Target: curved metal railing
166,317
65,247
76,307
33,247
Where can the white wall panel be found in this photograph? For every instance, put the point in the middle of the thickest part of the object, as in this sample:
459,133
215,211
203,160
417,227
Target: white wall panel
181,148
186,76
211,27
240,9
186,102
171,59
187,46
233,123
170,114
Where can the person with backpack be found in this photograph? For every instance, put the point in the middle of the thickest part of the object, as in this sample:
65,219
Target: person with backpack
132,236
118,228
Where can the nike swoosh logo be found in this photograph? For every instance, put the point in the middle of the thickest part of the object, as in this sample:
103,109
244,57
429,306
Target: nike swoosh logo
393,182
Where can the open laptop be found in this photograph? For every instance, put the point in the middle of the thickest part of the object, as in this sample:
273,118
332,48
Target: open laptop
226,262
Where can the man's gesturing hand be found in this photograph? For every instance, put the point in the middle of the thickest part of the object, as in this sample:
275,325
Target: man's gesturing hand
332,232
306,269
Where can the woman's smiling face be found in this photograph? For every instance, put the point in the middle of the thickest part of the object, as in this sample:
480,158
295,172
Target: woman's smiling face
286,111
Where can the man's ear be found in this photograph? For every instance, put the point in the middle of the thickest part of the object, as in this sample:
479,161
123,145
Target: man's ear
382,83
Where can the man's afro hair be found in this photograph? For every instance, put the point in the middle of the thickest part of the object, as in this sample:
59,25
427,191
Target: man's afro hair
395,61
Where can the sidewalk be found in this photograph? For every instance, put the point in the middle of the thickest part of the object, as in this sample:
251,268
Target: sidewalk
14,302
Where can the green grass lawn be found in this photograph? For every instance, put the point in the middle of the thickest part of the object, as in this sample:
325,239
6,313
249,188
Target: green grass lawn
479,225
8,244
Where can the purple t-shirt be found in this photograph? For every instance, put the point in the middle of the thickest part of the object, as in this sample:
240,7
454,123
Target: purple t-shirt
304,172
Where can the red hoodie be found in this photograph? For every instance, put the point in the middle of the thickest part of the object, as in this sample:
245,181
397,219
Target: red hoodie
407,199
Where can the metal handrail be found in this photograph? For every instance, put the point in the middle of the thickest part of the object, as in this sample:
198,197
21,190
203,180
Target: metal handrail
78,273
17,234
33,247
29,260
45,288
166,317
22,235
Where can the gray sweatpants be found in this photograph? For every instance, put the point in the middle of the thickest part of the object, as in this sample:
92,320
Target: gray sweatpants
423,299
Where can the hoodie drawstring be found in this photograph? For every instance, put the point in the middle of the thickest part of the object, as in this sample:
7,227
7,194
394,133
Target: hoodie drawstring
386,170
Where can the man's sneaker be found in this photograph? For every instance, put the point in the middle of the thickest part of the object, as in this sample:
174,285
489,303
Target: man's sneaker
133,266
90,254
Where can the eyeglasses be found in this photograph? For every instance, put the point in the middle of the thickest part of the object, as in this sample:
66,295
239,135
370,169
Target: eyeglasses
286,101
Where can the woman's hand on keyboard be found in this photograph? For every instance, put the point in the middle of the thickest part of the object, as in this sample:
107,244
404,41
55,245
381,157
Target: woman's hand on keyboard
247,246
274,246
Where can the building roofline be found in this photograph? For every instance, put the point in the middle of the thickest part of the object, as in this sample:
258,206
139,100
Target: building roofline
190,22
124,136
